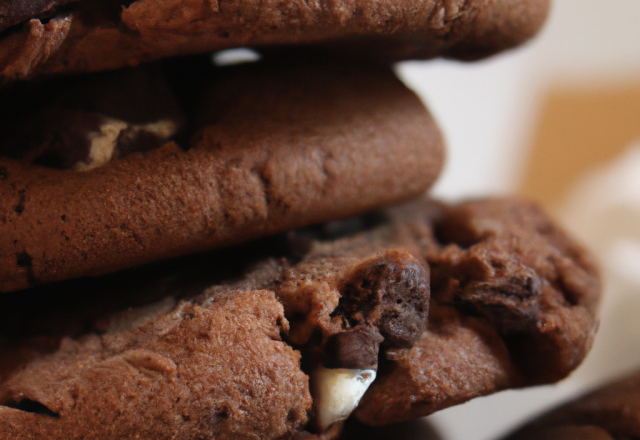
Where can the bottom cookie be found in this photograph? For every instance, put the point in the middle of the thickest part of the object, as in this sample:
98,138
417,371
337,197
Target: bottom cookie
392,315
611,412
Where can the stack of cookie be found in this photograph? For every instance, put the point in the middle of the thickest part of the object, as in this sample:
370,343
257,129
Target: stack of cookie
197,251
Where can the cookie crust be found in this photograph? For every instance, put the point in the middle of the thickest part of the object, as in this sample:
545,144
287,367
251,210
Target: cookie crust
108,35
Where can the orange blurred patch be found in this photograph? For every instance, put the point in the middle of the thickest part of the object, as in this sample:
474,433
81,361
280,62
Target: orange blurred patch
578,131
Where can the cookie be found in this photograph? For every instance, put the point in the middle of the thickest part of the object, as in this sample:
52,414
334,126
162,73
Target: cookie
245,151
611,412
426,307
60,36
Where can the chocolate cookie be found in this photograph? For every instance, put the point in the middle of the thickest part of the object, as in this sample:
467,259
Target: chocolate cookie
611,412
427,307
244,151
59,36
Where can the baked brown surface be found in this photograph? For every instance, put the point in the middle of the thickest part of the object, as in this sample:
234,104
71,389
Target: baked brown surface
170,378
513,303
611,412
503,281
88,36
271,146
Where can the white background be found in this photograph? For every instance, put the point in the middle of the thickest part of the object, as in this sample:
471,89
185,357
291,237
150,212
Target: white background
487,111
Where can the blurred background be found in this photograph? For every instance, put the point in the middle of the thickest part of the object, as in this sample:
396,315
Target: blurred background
557,121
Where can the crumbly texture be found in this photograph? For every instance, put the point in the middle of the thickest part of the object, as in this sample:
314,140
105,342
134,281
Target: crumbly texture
451,314
270,146
108,34
170,378
611,412
13,12
513,303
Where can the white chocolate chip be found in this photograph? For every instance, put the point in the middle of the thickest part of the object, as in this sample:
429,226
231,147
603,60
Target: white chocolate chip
102,145
338,392
163,129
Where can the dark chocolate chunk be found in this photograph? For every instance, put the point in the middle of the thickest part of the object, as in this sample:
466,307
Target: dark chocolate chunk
391,293
356,348
84,122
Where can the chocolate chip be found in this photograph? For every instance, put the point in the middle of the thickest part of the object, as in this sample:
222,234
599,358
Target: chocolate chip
4,174
390,292
54,122
355,348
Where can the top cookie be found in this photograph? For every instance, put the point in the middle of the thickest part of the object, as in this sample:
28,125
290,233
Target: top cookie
63,36
436,304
